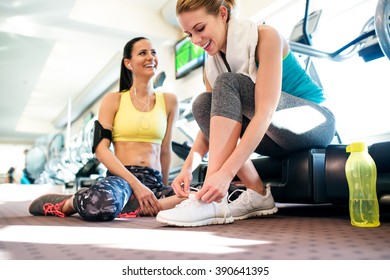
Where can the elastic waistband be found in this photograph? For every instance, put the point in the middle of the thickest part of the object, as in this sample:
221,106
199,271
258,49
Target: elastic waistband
139,169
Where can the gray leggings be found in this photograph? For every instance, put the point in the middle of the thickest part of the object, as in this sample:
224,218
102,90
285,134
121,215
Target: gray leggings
297,123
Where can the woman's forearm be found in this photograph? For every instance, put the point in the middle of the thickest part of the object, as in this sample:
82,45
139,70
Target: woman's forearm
166,158
248,143
198,151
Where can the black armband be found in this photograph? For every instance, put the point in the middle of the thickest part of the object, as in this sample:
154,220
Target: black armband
98,134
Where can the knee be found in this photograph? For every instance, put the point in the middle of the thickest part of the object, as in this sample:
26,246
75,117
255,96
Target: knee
202,105
104,200
227,82
225,78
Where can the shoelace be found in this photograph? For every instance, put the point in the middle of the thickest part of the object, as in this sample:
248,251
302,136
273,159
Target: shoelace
226,210
133,214
244,196
53,209
191,198
195,189
184,203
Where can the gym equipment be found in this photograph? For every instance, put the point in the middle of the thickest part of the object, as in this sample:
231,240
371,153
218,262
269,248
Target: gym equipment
159,80
376,37
75,166
184,125
35,162
318,175
92,170
382,25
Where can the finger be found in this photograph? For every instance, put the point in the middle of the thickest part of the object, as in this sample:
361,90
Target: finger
203,190
210,195
144,210
186,187
178,188
151,212
207,197
175,185
154,206
182,192
148,209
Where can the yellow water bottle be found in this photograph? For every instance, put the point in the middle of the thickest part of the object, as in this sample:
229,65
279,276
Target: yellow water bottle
360,170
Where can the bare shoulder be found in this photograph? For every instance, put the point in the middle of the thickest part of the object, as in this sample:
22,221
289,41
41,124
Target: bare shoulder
268,31
111,99
111,96
171,102
108,107
270,37
170,98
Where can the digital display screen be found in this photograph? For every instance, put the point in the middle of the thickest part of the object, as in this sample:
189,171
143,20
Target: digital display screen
187,57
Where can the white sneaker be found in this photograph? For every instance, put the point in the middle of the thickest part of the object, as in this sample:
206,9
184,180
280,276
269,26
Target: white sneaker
193,213
252,204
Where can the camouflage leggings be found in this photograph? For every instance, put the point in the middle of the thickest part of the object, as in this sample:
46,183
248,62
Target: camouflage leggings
109,197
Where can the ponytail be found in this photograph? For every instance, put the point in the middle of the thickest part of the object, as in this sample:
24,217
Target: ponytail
126,76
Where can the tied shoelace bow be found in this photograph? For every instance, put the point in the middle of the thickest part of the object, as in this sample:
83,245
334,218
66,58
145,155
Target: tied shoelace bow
53,209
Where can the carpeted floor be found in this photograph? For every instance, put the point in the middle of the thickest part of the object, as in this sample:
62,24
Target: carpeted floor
296,232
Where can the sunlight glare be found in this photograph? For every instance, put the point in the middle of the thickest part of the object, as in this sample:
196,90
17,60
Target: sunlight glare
127,238
298,120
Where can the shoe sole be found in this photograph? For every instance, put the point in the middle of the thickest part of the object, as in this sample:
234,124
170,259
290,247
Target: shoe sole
257,214
207,222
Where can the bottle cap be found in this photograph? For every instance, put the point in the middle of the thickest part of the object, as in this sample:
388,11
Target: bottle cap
357,147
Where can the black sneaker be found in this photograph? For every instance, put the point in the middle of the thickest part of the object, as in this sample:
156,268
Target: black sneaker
49,205
131,209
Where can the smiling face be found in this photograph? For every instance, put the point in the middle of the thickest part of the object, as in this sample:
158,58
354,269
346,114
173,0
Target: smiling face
143,58
206,30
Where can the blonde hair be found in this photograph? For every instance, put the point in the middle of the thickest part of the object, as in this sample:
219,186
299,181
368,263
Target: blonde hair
212,6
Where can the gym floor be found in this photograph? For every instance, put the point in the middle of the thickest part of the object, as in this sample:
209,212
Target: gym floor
296,232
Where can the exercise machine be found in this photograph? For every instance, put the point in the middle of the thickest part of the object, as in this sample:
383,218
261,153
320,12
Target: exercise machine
373,41
318,175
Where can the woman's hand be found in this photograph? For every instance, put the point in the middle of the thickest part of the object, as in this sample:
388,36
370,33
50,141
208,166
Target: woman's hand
147,200
181,184
214,187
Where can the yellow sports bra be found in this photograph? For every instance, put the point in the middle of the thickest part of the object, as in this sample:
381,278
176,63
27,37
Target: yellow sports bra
131,125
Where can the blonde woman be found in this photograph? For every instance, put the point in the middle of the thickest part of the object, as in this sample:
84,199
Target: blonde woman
257,99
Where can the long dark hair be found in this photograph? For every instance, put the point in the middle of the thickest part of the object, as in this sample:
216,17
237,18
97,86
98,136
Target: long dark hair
126,77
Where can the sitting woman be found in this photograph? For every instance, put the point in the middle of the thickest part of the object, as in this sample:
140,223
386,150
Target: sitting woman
139,122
